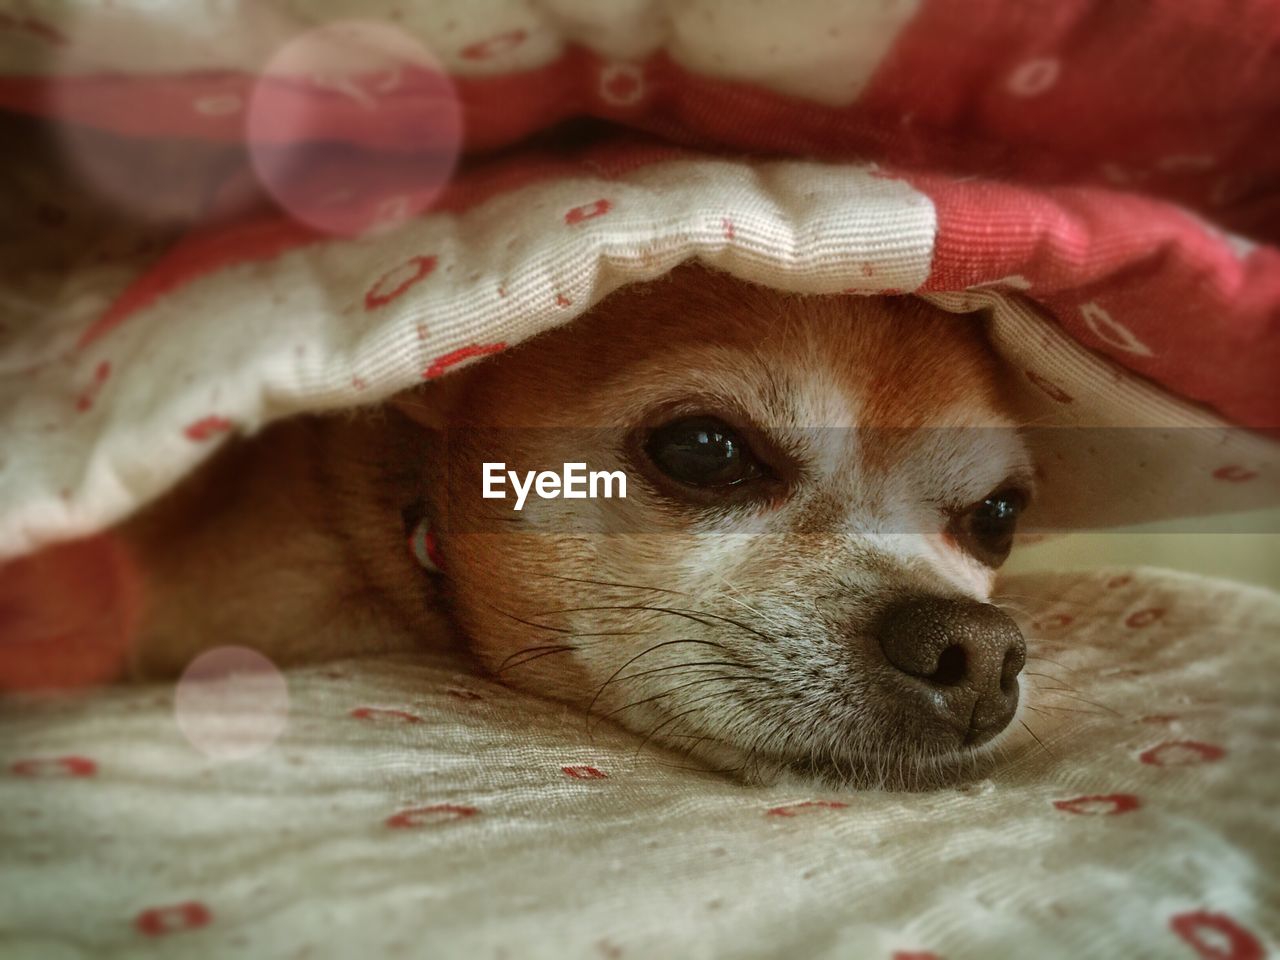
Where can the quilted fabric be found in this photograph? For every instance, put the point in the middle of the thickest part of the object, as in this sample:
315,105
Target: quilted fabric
411,809
118,377
252,322
1174,98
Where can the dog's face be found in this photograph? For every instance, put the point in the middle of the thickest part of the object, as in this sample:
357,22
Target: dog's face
819,491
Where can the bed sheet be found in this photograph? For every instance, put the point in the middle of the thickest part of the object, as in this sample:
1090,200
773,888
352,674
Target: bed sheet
411,808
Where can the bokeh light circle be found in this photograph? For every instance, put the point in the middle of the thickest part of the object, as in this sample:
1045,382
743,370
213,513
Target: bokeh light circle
353,127
231,703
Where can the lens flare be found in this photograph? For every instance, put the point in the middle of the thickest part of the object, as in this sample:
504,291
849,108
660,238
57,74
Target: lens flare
353,127
231,703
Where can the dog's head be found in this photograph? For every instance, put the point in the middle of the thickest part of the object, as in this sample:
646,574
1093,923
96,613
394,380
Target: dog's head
819,491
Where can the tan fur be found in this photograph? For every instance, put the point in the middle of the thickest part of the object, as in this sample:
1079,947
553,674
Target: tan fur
290,544
293,542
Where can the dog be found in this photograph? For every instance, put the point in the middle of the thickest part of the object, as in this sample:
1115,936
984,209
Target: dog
820,490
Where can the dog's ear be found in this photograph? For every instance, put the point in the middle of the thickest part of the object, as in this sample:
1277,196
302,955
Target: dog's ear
430,405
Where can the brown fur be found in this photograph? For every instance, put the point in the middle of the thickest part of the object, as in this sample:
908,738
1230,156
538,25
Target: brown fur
293,542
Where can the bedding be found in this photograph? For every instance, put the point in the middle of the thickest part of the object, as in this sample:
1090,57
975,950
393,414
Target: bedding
1096,182
411,808
1118,308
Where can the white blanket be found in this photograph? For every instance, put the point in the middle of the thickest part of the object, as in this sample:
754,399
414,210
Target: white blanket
411,809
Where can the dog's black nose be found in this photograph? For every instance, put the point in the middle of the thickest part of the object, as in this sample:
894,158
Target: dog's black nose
967,654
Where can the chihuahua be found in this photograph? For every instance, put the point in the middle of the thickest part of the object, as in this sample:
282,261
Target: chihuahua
816,494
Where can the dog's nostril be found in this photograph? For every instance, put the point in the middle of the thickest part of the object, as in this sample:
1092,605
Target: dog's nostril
951,667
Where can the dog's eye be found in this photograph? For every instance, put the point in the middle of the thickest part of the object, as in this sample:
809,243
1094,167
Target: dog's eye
986,529
702,452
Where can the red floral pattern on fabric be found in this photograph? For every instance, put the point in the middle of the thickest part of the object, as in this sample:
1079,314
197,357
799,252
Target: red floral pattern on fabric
175,918
1216,936
1109,804
434,815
